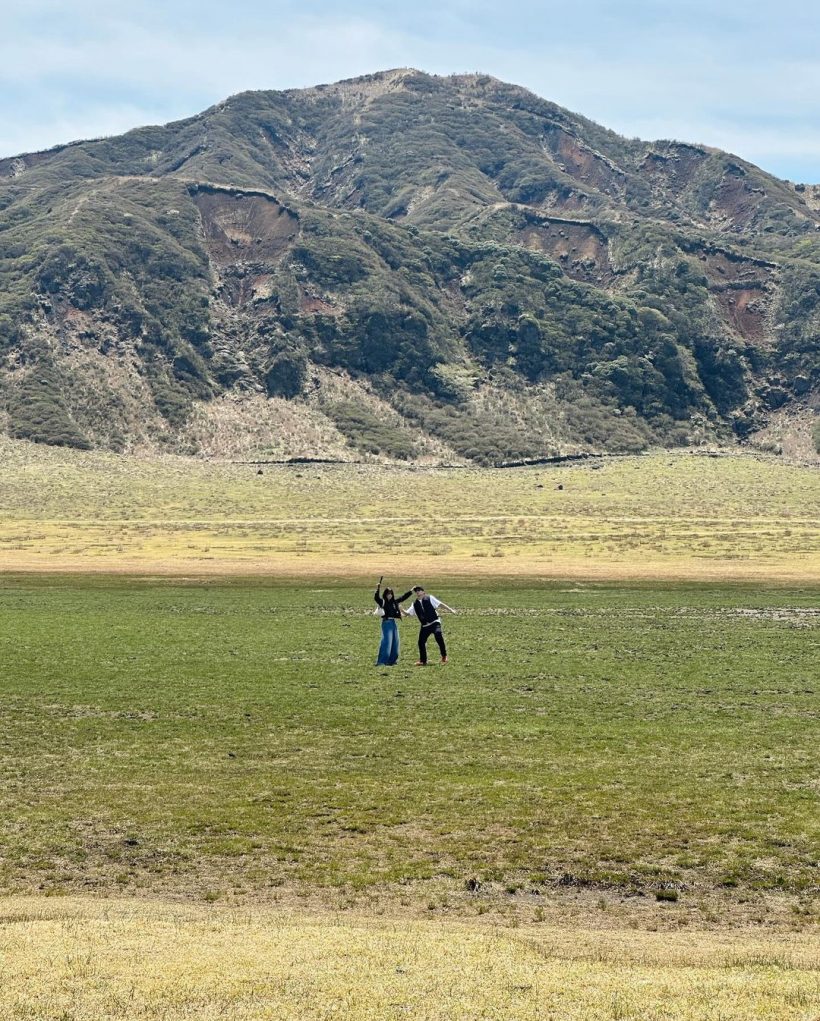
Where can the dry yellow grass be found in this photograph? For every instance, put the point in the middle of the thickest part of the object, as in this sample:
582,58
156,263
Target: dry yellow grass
89,960
663,515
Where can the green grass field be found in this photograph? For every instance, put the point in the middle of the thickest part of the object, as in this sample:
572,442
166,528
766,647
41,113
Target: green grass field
232,739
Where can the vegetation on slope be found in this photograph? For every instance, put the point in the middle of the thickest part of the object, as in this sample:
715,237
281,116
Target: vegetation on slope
430,235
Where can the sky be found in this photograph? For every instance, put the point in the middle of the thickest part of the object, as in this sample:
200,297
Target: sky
739,75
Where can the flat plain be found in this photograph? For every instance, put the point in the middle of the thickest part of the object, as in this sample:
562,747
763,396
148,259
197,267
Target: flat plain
606,805
665,514
228,737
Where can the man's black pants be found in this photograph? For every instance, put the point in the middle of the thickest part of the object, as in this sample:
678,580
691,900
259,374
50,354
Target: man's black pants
424,634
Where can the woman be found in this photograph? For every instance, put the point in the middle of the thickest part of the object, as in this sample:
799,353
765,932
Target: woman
391,612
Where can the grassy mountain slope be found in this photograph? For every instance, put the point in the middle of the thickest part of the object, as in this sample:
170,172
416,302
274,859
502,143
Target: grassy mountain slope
421,263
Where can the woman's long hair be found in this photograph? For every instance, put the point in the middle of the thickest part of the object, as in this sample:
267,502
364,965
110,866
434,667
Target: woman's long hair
388,594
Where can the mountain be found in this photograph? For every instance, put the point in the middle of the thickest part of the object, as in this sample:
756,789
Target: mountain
404,265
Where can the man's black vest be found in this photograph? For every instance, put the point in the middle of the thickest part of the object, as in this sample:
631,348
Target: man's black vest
425,611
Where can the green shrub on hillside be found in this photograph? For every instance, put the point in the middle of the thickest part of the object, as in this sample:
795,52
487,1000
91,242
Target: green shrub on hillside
369,433
10,332
606,428
798,341
287,374
38,412
486,437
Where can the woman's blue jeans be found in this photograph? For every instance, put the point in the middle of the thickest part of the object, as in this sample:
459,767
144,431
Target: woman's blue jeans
389,648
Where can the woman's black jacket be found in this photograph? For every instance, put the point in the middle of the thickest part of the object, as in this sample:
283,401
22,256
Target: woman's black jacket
392,610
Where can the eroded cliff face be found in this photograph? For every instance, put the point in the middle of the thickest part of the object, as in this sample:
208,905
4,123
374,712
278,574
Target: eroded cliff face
414,267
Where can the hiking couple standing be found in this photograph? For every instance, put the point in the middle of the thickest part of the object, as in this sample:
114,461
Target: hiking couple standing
425,609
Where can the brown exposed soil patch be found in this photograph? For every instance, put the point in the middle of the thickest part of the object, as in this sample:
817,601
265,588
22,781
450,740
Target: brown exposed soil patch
672,169
581,249
723,265
743,290
262,286
244,228
315,305
735,200
583,163
562,200
745,311
79,328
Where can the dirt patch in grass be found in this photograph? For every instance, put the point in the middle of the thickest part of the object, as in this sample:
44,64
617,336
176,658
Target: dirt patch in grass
301,566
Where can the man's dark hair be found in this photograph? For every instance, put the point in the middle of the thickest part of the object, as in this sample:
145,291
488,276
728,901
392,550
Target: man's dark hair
418,588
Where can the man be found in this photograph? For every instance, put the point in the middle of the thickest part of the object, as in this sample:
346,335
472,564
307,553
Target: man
425,607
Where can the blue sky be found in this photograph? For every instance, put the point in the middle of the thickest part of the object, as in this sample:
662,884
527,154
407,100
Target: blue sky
736,74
